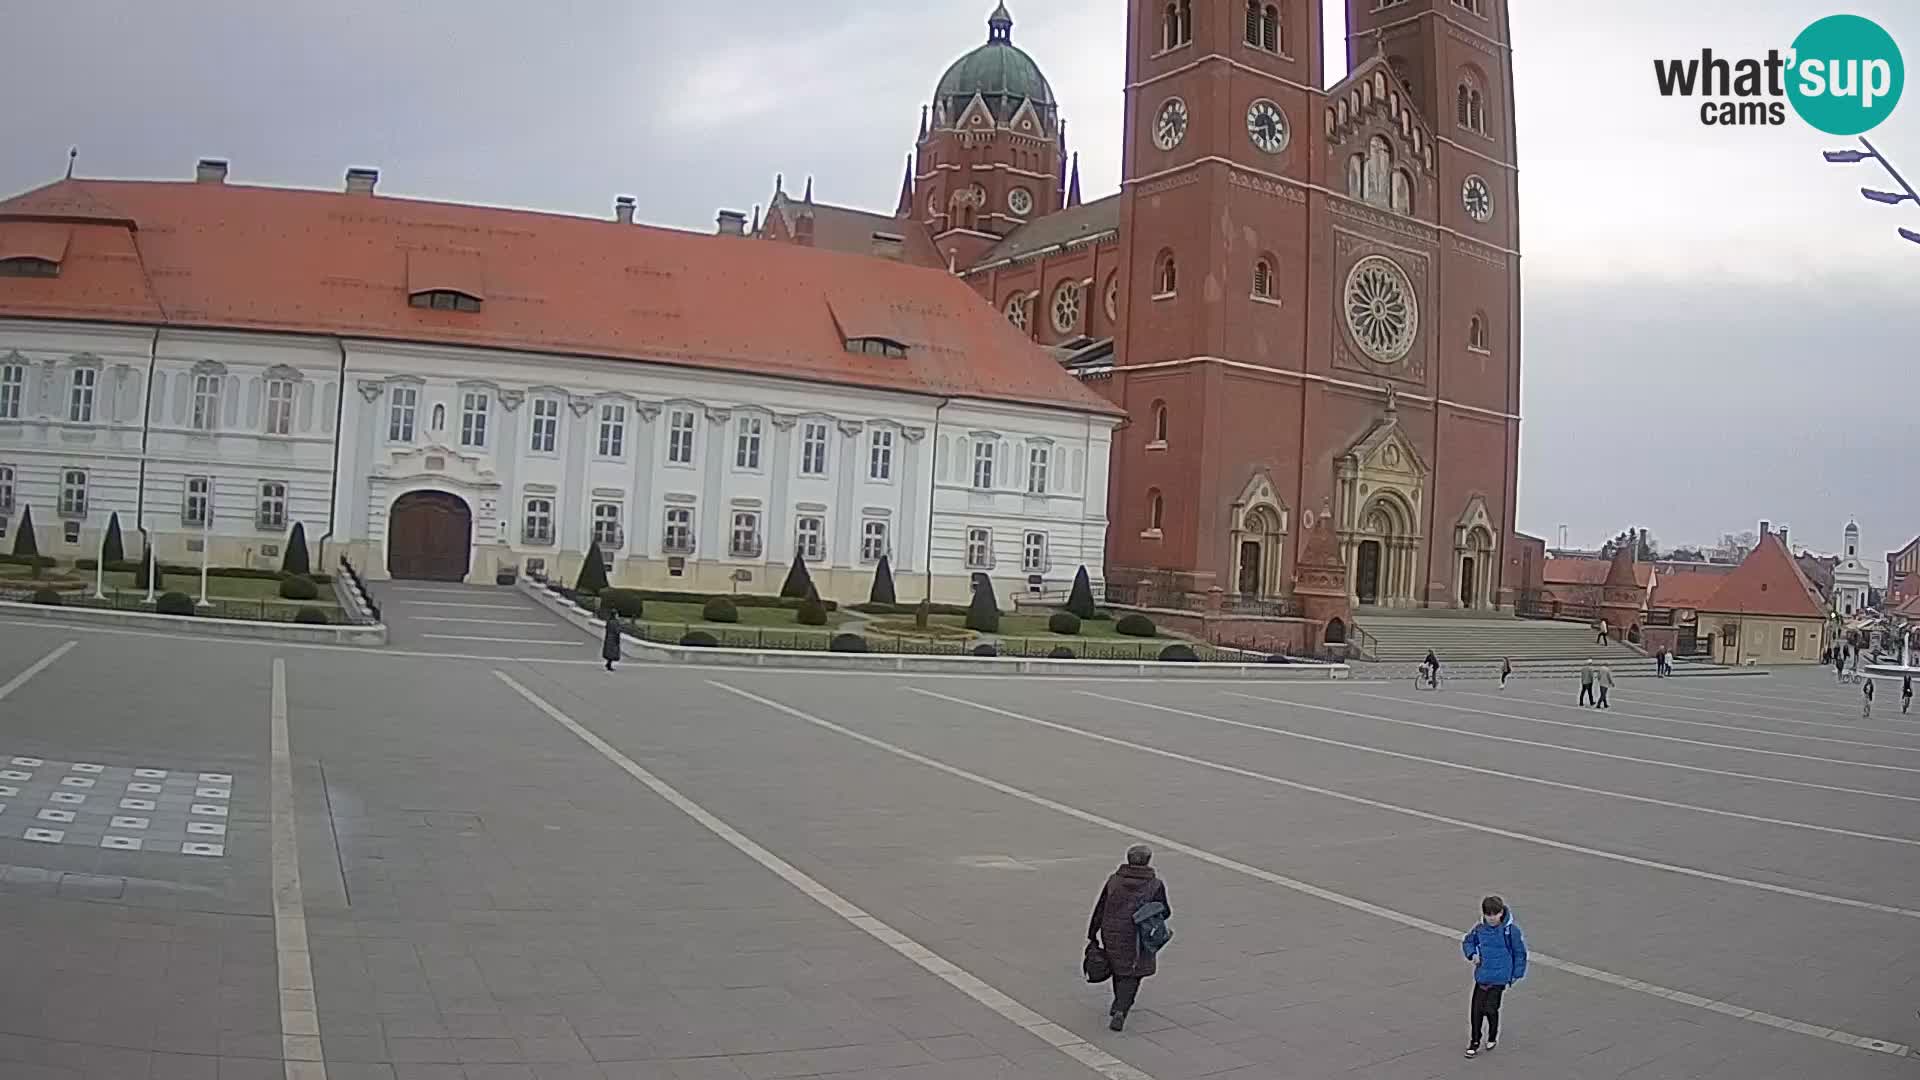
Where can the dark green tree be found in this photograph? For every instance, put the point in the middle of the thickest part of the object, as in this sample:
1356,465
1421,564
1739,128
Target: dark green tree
882,591
1080,600
296,559
983,614
113,550
593,572
798,580
24,542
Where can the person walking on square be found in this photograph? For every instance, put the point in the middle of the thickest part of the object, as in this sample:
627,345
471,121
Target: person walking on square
1840,665
1586,683
1605,682
1603,639
1117,930
1866,700
610,645
1506,670
1906,694
1498,952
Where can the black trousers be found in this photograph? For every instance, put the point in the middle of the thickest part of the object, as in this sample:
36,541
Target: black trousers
1586,693
1125,989
1602,703
1486,1006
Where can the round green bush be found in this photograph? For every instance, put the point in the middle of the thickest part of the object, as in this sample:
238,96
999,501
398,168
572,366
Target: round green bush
625,603
984,649
47,597
720,609
1061,652
177,603
1064,622
299,587
1183,653
1134,624
311,616
848,643
699,639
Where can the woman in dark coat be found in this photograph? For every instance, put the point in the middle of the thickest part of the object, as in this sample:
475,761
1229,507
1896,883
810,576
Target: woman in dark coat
1131,886
610,645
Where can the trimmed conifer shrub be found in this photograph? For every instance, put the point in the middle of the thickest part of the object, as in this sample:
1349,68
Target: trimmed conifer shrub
882,591
296,558
1064,622
299,587
1134,624
811,612
593,572
722,610
1080,600
114,548
799,582
983,615
174,603
24,542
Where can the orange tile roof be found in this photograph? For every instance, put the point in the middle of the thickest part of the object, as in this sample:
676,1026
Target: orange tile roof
1574,570
228,256
1686,588
1767,582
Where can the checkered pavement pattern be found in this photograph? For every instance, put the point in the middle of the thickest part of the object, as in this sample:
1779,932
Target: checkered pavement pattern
124,808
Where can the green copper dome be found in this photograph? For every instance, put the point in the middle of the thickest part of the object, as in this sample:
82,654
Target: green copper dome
998,72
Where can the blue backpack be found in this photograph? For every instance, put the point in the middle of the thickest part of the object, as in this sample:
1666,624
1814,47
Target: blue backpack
1150,927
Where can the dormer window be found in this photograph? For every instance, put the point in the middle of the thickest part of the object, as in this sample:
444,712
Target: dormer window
444,300
29,266
876,346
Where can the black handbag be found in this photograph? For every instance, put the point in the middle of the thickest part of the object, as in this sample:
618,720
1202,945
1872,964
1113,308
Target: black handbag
1098,968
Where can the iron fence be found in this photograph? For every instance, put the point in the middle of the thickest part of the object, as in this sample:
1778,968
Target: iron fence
260,610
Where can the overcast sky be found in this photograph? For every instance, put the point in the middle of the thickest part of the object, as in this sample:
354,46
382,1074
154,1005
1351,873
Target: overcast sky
1718,329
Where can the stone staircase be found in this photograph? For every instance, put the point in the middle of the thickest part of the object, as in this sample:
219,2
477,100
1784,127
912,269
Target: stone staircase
1458,637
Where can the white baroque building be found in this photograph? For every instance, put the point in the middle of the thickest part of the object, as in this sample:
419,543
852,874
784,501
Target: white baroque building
440,391
1852,578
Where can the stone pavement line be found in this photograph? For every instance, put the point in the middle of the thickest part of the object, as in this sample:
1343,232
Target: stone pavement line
1601,753
573,643
1559,845
1646,697
1568,749
1047,1031
1411,921
299,1016
35,668
1723,727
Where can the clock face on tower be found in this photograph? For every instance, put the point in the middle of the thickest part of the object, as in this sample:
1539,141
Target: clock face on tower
1170,126
1020,201
1477,198
1267,126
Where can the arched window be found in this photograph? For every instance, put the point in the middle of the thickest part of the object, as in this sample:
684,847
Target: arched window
1156,510
1460,104
1017,310
1356,176
1160,421
1271,39
1379,170
1402,192
1477,334
1179,24
1470,104
1166,278
1253,23
1263,278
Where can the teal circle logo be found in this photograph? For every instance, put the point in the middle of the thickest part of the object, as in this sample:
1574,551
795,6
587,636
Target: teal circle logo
1847,75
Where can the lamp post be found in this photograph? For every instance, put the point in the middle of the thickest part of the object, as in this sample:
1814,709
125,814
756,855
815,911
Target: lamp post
100,569
151,558
206,543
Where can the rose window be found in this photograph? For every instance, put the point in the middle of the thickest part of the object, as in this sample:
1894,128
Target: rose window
1017,312
1381,311
1066,308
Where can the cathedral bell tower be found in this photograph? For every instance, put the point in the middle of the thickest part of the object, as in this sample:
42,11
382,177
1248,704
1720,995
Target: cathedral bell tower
992,150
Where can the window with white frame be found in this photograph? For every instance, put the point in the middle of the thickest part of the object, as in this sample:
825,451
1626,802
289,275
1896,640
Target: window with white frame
979,549
607,532
279,406
73,493
272,512
6,488
80,400
679,532
13,389
983,452
813,449
880,455
403,402
1039,458
546,425
746,447
873,541
473,418
206,402
746,535
810,536
538,528
1033,553
198,502
680,437
613,430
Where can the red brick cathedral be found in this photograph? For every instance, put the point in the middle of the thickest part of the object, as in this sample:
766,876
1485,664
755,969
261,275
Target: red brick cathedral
1307,300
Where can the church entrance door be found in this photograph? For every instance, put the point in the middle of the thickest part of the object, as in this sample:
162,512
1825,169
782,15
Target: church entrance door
1366,573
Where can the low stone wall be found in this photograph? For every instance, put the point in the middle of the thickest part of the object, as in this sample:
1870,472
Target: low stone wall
373,636
1296,637
973,665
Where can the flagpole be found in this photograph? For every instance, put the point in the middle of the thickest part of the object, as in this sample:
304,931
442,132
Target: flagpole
151,557
206,543
100,570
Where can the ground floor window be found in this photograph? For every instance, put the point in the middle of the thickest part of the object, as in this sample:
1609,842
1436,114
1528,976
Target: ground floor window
746,535
873,541
1789,639
1033,553
539,523
679,533
606,525
979,549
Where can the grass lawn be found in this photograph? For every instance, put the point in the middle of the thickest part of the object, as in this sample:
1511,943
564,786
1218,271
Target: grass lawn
1033,627
666,613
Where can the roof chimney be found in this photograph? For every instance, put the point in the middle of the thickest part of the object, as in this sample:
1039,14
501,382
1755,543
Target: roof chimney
889,245
623,209
210,170
361,181
1783,540
1765,526
732,223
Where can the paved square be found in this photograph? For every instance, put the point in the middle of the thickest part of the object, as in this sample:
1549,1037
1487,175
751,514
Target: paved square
670,872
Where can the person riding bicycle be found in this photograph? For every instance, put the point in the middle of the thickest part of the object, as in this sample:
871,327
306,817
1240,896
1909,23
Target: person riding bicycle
1430,669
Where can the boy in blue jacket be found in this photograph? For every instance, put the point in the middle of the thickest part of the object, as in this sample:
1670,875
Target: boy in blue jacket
1498,954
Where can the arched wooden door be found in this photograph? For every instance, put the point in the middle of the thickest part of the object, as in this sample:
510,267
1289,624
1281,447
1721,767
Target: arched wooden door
429,537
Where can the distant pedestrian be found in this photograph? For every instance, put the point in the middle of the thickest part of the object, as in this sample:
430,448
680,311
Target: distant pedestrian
1118,916
1662,664
610,645
1603,639
1506,670
1605,683
1839,665
1906,694
1586,683
1866,700
1498,952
